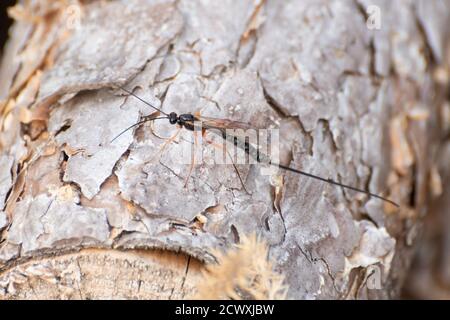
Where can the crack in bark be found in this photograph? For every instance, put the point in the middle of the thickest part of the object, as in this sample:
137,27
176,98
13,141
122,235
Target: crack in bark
139,282
364,282
171,170
283,114
303,252
9,191
312,260
430,59
119,237
212,101
355,281
372,63
371,47
254,44
81,275
279,110
333,280
39,67
185,274
250,36
326,129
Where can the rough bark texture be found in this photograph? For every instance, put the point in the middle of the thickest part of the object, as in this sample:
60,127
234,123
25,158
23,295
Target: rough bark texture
365,107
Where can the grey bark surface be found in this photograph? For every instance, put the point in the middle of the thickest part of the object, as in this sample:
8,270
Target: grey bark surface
360,106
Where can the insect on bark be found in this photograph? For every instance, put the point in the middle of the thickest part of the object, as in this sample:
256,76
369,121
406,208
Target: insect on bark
190,122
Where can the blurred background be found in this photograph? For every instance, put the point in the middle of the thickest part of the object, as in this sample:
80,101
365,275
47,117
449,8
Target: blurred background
5,21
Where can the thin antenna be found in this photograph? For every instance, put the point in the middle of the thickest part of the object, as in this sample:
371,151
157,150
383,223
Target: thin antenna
142,100
335,183
146,119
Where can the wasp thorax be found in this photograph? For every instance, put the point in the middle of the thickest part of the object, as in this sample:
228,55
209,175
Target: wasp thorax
187,117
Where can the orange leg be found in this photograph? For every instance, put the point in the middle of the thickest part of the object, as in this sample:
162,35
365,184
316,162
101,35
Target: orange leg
165,144
192,160
193,153
168,141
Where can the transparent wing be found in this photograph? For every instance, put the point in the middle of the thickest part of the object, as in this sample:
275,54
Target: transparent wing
215,123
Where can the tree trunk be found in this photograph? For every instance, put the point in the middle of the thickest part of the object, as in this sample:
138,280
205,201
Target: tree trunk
356,88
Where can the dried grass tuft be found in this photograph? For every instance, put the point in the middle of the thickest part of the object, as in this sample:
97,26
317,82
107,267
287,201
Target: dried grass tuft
243,272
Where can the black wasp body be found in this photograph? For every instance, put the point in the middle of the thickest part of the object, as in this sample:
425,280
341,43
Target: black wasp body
185,120
219,126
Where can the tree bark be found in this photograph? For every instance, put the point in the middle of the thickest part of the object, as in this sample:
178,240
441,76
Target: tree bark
86,218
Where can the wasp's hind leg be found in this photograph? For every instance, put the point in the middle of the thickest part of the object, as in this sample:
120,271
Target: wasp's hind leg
215,145
192,160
